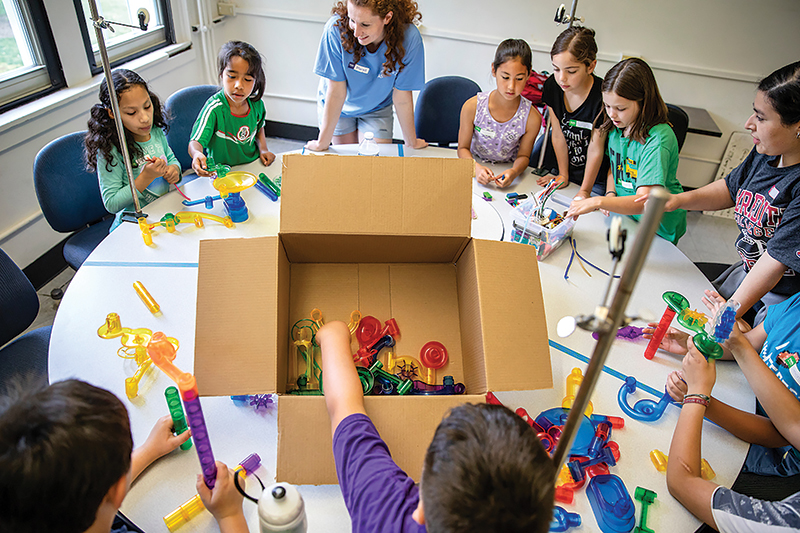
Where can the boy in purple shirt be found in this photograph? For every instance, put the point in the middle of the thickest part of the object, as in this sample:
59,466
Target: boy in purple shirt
485,469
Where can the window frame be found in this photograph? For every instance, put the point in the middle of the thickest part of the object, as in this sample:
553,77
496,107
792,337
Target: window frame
96,66
38,28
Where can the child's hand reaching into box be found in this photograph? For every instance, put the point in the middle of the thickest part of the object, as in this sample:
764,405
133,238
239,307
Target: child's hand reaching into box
343,393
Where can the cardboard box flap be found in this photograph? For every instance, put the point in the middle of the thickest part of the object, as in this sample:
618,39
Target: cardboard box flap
376,195
515,343
405,423
237,321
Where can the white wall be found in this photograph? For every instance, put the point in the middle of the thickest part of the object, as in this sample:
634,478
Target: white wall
707,54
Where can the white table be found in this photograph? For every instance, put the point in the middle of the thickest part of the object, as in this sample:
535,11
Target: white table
169,271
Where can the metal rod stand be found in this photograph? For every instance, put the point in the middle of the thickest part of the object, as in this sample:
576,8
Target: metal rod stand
112,94
644,237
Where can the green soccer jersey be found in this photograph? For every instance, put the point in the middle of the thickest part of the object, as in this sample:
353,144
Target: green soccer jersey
229,139
653,163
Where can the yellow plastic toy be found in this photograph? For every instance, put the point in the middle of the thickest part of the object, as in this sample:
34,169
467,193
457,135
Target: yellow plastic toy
134,346
169,221
235,181
574,381
660,460
405,367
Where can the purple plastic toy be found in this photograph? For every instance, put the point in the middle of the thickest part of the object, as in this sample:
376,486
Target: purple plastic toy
626,332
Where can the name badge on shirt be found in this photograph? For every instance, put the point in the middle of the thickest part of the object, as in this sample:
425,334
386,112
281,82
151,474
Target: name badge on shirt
626,184
486,132
358,68
580,124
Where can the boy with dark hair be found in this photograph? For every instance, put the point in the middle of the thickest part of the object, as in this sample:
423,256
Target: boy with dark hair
485,469
67,457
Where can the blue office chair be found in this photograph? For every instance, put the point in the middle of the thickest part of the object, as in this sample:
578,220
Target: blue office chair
69,196
25,357
438,110
182,108
680,123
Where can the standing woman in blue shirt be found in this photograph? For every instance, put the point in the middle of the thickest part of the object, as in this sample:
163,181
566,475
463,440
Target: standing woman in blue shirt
370,57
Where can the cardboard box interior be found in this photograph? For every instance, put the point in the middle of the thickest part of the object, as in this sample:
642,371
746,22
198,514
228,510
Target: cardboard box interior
437,282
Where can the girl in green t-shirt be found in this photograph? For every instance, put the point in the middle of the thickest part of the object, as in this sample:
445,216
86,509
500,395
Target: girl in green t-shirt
640,144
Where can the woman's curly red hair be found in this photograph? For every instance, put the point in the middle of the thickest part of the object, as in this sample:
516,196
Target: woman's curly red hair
404,12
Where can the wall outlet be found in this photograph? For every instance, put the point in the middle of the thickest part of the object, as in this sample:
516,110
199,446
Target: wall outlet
226,9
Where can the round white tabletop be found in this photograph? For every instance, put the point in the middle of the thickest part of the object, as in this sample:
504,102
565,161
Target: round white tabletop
168,269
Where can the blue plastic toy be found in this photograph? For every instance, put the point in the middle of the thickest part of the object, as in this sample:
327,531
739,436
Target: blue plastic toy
724,320
557,416
577,469
564,520
612,505
645,410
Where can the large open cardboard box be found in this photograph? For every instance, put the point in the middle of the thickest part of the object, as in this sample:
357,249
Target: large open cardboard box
389,237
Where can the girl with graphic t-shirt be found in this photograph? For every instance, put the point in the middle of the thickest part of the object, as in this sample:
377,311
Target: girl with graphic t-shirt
641,146
765,190
574,98
500,126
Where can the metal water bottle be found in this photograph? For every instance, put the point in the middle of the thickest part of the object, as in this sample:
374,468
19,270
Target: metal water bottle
281,509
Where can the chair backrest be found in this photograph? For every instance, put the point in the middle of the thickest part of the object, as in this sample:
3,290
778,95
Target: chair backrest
68,193
680,123
438,108
19,303
182,108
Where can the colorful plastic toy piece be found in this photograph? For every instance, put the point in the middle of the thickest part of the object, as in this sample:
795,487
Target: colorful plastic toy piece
600,439
368,334
564,495
134,347
612,505
693,319
256,401
487,196
404,367
675,304
194,505
230,185
448,386
355,320
162,353
148,300
271,189
645,409
574,381
724,320
646,497
170,220
433,356
176,412
630,333
565,480
564,520
660,460
557,416
492,399
577,467
616,422
401,386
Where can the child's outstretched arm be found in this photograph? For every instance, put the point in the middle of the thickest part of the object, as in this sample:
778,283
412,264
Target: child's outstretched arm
465,131
265,155
343,393
223,501
778,401
594,160
198,156
525,147
683,469
160,442
562,154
